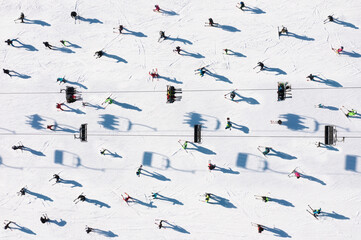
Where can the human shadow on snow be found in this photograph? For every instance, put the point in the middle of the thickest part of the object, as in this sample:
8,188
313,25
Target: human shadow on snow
328,82
175,227
90,20
71,182
229,28
60,223
182,40
108,233
200,149
275,70
305,38
22,229
280,154
38,195
97,203
345,24
173,80
117,58
27,47
19,75
127,106
33,151
136,34
225,170
334,215
189,54
155,175
281,202
249,100
224,202
313,179
254,10
237,54
37,22
277,232
168,199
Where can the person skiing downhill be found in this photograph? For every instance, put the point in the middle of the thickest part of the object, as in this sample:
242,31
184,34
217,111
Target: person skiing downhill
88,229
226,50
7,225
177,49
316,212
20,146
157,8
339,50
154,74
185,145
44,219
120,28
232,95
211,166
22,191
261,65
74,15
229,124
162,36
310,77
64,42
265,199
81,197
260,228
7,71
46,44
56,177
139,171
103,151
99,54
21,18
283,30
154,195
349,113
109,100
61,80
211,22
329,19
208,197
241,5
58,106
202,71
9,42
50,127
160,225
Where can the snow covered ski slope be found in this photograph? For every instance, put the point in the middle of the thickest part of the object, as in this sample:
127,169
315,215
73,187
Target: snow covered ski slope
137,127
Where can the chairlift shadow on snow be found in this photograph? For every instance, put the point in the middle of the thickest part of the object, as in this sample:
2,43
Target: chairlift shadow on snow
189,54
173,80
328,82
2,163
38,195
240,127
249,100
254,10
109,121
224,202
35,121
175,228
218,77
350,163
117,58
256,163
19,75
280,154
305,38
226,170
155,175
229,28
75,160
281,202
182,40
234,53
22,229
132,124
27,47
345,24
313,179
293,122
97,203
334,215
168,199
351,54
277,71
136,34
37,22
160,161
33,151
60,223
193,118
127,106
89,20
108,233
277,232
71,182
200,149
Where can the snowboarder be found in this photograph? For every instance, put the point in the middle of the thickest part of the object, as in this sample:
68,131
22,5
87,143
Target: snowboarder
283,30
329,19
339,50
20,146
9,42
208,197
226,50
50,127
7,71
88,229
348,113
229,124
211,166
46,44
58,106
61,80
74,15
261,65
81,197
99,54
260,228
139,171
109,100
157,8
44,219
162,36
21,18
177,49
311,77
7,225
22,191
120,28
211,22
241,5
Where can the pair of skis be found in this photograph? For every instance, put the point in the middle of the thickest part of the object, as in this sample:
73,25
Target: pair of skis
312,212
76,200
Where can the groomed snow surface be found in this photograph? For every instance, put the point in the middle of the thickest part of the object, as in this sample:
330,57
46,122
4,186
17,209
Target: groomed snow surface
141,128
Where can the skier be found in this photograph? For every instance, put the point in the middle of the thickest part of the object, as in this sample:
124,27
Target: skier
261,65
350,113
157,8
64,42
232,95
226,50
279,122
46,44
283,30
139,171
265,199
9,42
21,18
61,80
329,19
311,77
208,197
202,71
260,228
20,146
211,166
50,127
109,100
7,71
316,212
56,177
185,145
241,5
58,106
154,195
99,54
102,152
44,219
88,229
339,50
266,150
229,124
177,49
81,197
210,22
74,15
127,198
160,225
296,173
7,225
120,28
162,35
22,191
154,73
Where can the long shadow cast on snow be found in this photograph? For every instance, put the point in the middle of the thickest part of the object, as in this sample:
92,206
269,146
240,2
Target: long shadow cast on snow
176,228
35,121
63,49
75,161
282,202
132,124
162,160
240,127
97,203
76,84
226,170
224,202
328,147
112,154
108,233
248,100
254,10
328,82
127,106
73,45
90,20
194,55
64,128
257,163
173,80
293,122
200,149
169,12
334,215
331,108
277,232
155,175
117,58
277,71
2,163
22,229
304,38
71,182
280,154
33,151
229,28
351,54
145,204
313,179
109,121
219,77
136,34
182,40
95,106
37,22
168,199
345,24
27,47
19,75
74,110
40,196
60,223
237,54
